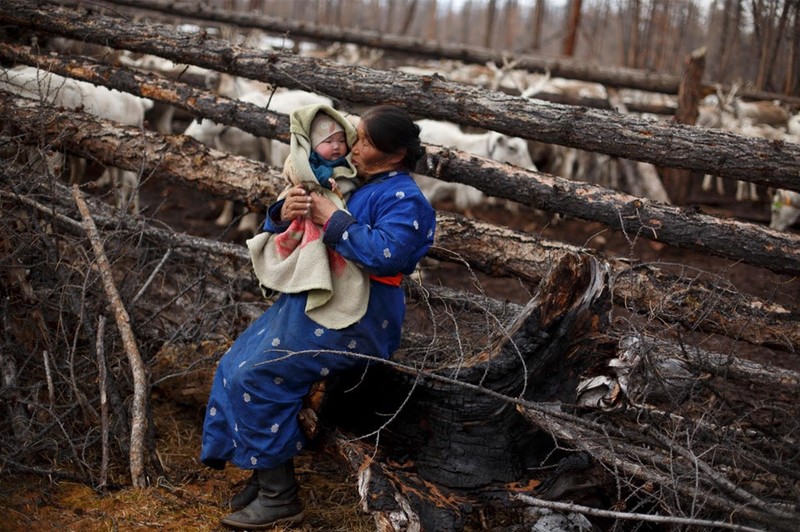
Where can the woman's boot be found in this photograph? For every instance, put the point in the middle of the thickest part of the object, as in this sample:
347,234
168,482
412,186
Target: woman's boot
277,501
247,495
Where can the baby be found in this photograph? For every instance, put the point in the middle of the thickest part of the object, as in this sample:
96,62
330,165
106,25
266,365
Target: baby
329,148
319,153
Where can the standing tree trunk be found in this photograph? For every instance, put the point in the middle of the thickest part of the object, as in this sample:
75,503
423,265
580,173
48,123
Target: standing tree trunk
631,57
411,11
723,51
466,15
676,181
571,31
537,18
512,18
773,53
488,36
763,36
431,32
790,81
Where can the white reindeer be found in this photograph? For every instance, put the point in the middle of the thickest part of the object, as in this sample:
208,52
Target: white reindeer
102,102
785,209
762,119
491,145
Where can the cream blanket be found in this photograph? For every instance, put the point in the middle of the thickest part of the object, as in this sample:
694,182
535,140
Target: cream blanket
297,260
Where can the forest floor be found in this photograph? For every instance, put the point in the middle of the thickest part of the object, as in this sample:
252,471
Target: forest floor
190,496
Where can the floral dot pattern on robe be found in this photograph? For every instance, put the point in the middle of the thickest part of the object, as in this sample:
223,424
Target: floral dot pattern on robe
261,381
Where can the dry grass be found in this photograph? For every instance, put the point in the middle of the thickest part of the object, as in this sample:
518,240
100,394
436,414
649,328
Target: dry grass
189,497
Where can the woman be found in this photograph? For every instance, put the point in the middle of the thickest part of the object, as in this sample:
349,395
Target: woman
251,417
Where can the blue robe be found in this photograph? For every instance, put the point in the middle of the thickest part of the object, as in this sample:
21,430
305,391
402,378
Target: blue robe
259,386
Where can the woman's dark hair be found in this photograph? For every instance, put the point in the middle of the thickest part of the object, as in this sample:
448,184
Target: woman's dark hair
390,129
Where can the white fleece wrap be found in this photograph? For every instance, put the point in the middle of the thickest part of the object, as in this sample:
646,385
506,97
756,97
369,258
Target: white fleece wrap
297,260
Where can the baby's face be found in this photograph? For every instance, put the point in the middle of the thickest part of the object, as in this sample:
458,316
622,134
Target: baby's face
333,147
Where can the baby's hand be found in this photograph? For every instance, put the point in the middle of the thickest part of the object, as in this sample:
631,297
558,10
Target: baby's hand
332,183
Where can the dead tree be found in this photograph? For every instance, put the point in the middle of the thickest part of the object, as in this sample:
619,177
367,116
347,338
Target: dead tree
198,102
558,67
678,182
456,442
181,159
572,28
749,159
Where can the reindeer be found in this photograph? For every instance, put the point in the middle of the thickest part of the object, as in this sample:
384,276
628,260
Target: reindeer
763,119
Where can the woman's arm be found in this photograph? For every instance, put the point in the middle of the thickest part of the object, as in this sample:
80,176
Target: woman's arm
392,238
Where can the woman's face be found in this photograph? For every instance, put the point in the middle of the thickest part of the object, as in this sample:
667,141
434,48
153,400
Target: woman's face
368,159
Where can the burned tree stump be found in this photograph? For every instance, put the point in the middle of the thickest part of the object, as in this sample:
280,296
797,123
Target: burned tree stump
455,434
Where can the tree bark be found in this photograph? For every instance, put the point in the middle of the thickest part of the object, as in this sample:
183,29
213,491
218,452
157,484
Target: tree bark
536,30
178,157
409,17
619,211
558,67
206,104
678,182
141,389
572,29
488,33
768,74
749,159
259,121
175,158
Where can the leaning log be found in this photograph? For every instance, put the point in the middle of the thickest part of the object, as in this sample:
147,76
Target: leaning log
680,299
682,424
750,159
198,102
557,67
694,301
635,217
178,157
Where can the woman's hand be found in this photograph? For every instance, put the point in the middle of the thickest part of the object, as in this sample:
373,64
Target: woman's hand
321,208
296,203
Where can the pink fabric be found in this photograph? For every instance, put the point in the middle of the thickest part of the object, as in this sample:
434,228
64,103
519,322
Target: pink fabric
301,231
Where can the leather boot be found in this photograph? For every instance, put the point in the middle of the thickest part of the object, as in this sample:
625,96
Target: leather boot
277,502
247,494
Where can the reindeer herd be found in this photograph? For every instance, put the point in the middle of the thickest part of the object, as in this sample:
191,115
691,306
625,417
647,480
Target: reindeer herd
764,119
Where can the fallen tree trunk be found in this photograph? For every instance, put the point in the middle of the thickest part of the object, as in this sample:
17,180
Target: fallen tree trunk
183,95
557,67
692,301
174,158
198,102
177,157
749,159
676,299
635,217
454,441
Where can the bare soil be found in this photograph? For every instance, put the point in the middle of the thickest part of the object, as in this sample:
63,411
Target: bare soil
191,497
